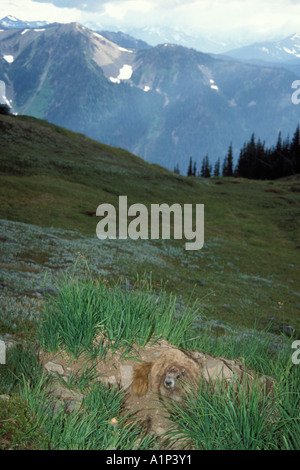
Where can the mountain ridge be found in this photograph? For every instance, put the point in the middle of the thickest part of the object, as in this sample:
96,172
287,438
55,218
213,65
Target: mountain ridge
11,22
163,103
284,50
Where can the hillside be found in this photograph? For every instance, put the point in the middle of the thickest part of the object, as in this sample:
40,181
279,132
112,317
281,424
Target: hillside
52,180
164,103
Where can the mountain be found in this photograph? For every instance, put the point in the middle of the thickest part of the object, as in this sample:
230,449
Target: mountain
125,40
285,50
156,35
164,103
11,22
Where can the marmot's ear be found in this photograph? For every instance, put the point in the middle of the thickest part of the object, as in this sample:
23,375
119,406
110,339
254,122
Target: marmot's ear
183,372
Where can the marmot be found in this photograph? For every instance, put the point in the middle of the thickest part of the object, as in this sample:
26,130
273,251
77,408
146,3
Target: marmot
167,376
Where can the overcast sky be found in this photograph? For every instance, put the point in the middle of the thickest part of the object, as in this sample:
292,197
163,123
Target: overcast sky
257,18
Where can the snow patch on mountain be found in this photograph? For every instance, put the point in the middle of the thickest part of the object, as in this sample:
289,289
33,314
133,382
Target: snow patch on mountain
9,58
98,36
213,86
293,51
125,50
125,74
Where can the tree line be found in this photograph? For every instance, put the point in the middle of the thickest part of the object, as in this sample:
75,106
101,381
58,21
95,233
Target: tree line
256,160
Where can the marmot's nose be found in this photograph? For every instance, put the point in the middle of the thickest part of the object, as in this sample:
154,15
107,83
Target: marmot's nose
168,382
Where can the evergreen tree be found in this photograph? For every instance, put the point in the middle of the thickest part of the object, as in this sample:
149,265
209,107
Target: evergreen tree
190,168
228,163
217,168
257,161
279,143
205,168
295,151
194,169
176,169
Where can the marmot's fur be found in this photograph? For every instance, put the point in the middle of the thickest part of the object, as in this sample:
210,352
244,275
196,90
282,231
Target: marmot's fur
167,376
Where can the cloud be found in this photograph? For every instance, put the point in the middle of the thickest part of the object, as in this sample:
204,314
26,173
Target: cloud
247,19
30,10
99,5
83,5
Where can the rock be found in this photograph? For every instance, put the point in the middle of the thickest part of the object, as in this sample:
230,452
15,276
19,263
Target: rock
216,369
70,399
198,355
53,368
126,373
11,343
112,380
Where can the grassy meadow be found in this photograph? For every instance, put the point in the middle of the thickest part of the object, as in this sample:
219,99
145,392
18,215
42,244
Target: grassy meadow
237,297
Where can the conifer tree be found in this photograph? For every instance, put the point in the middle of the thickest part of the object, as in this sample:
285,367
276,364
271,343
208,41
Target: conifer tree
205,168
176,169
190,168
194,169
228,163
217,168
295,151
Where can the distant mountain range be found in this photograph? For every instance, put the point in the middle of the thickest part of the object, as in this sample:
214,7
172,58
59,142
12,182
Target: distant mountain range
155,35
163,103
11,22
282,51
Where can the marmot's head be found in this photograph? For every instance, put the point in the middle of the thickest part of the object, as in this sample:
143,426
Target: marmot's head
173,373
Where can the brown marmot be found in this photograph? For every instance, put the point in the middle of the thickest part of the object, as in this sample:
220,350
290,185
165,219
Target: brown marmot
167,376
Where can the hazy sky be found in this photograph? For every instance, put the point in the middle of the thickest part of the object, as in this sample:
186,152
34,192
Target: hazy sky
260,18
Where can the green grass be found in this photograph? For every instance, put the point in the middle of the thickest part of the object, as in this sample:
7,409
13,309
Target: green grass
226,420
85,309
209,421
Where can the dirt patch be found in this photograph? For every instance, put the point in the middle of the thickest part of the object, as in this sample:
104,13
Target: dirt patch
117,369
